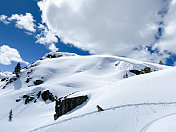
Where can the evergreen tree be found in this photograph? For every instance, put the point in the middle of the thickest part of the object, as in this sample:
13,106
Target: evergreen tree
125,76
10,115
161,63
17,69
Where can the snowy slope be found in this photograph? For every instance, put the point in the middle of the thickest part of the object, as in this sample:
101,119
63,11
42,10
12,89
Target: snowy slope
139,104
130,104
4,74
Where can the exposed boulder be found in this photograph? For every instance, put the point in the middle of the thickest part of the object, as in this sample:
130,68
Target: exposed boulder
34,96
17,100
28,80
143,71
68,104
38,82
137,72
53,56
3,79
147,70
46,95
57,55
29,99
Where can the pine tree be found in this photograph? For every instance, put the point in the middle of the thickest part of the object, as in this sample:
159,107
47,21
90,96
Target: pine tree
161,63
17,69
125,76
10,115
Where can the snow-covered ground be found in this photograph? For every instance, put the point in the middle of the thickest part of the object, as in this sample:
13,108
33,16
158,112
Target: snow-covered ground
139,103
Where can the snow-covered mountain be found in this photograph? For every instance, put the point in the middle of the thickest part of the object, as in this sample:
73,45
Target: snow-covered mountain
5,74
131,103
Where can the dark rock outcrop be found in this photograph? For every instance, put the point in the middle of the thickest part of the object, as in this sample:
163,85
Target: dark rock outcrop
46,95
33,97
3,79
147,70
53,56
143,71
10,80
68,104
27,99
28,80
38,82
137,72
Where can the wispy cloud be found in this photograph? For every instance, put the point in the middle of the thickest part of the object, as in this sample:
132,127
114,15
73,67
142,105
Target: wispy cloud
42,34
168,39
4,19
47,37
24,21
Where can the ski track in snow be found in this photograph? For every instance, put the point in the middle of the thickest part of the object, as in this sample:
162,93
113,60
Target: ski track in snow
145,128
113,108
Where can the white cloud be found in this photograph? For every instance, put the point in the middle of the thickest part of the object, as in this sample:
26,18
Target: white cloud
24,21
103,26
47,37
52,47
43,35
146,56
168,39
3,18
21,21
114,27
7,55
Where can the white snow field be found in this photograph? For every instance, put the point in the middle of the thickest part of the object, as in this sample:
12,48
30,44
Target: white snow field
140,103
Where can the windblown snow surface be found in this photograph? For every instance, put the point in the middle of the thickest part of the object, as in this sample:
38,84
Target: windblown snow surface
140,103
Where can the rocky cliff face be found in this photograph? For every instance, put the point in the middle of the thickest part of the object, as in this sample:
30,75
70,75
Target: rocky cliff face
68,104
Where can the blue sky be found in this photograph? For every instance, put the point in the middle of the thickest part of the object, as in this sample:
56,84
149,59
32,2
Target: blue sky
143,30
16,38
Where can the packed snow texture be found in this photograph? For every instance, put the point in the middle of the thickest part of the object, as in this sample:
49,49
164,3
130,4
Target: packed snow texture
140,103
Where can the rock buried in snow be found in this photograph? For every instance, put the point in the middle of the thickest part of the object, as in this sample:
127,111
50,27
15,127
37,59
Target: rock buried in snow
68,104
